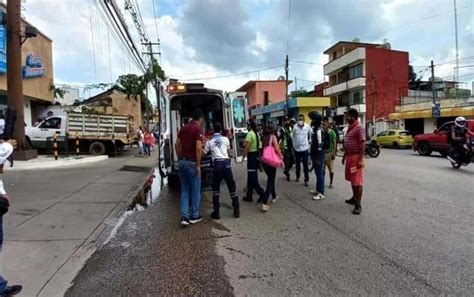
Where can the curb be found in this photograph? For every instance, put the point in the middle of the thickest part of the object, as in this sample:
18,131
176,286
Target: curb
58,163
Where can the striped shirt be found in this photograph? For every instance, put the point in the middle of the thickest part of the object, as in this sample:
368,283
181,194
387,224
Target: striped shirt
354,137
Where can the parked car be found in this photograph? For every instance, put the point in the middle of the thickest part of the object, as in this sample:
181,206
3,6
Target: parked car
395,138
437,141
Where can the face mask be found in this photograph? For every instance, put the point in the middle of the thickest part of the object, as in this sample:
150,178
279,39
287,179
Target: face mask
300,123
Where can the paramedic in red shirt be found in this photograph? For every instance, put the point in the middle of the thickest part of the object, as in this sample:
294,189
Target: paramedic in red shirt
354,149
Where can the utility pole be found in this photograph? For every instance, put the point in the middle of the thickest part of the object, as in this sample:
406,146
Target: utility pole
286,85
436,111
373,104
433,89
15,79
296,84
457,48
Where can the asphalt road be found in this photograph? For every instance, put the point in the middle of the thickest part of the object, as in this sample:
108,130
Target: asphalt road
414,237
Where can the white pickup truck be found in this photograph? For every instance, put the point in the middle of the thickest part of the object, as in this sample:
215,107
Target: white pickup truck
97,134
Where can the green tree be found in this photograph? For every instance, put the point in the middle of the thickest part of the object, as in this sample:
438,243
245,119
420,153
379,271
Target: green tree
411,74
300,93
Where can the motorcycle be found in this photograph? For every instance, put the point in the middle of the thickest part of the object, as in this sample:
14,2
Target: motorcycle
372,148
464,156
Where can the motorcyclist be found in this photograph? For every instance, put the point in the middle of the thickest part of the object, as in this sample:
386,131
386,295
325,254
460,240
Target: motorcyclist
459,137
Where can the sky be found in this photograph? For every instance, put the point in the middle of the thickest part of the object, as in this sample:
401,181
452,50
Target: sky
205,39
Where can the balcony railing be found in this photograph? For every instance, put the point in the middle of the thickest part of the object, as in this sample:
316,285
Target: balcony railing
344,60
344,86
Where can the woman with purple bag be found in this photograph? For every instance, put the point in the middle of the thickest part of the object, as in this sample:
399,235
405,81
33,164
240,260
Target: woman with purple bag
271,160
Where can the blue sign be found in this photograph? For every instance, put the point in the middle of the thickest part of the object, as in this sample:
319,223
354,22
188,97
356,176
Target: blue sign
34,67
436,111
3,49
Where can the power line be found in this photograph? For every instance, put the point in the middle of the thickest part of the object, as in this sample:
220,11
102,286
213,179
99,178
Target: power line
93,41
305,62
156,29
107,20
236,74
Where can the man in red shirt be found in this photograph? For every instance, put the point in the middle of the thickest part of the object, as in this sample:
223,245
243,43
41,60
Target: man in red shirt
189,150
354,149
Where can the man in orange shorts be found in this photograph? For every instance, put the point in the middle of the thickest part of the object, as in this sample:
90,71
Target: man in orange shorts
354,149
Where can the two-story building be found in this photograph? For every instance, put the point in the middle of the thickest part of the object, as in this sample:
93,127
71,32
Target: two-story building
38,83
263,92
368,77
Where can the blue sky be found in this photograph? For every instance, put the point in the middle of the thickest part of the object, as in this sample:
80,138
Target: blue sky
208,38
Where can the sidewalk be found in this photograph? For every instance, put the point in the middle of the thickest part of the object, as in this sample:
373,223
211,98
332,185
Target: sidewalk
47,162
56,215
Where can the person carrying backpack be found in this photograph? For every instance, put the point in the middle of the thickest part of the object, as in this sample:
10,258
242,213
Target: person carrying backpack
319,145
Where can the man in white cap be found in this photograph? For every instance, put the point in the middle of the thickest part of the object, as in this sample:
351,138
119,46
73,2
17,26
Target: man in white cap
6,149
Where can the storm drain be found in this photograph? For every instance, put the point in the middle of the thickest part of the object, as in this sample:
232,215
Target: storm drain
135,168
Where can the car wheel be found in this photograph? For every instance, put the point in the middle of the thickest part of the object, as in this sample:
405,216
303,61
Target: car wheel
395,145
455,165
424,149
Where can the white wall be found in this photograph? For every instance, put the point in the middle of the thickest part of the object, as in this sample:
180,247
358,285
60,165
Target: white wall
429,125
27,112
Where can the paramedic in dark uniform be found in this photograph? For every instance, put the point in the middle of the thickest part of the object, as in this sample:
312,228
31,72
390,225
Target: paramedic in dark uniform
219,147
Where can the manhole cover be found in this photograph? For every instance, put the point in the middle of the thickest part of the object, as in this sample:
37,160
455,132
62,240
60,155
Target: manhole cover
135,168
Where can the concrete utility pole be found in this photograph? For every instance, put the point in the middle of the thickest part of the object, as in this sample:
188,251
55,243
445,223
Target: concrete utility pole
456,79
433,89
373,103
286,85
15,79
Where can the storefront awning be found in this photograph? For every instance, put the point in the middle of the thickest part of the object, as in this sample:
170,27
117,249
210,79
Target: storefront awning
277,114
467,111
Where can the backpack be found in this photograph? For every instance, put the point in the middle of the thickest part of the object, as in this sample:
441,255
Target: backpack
317,147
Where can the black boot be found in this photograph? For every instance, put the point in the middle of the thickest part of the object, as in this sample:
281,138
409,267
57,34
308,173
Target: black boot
357,209
351,201
215,215
236,206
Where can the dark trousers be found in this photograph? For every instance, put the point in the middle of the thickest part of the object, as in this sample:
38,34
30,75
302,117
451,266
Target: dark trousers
252,175
271,175
302,157
289,160
222,171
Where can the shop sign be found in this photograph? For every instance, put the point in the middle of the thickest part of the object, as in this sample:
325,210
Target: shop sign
34,67
3,49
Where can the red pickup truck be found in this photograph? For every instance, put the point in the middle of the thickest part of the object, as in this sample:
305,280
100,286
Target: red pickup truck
437,141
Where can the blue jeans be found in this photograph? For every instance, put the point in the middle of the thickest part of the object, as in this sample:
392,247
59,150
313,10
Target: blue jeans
319,168
147,149
3,282
190,190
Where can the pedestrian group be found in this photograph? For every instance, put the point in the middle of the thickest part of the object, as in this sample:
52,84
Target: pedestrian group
295,143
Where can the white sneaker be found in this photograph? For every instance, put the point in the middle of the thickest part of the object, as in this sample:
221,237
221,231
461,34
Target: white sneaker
275,199
318,197
313,192
265,208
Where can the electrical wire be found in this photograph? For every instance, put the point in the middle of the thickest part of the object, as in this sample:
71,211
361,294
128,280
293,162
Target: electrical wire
93,41
156,29
235,74
305,62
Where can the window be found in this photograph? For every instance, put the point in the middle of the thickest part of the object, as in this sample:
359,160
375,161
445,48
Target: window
384,133
356,71
405,133
391,133
265,98
356,98
52,123
334,55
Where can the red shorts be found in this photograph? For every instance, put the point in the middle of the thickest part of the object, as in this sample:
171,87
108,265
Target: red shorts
355,177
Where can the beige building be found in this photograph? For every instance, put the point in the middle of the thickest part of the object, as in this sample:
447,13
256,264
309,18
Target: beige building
38,83
114,101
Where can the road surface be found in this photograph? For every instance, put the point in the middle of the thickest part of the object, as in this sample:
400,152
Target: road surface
414,237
